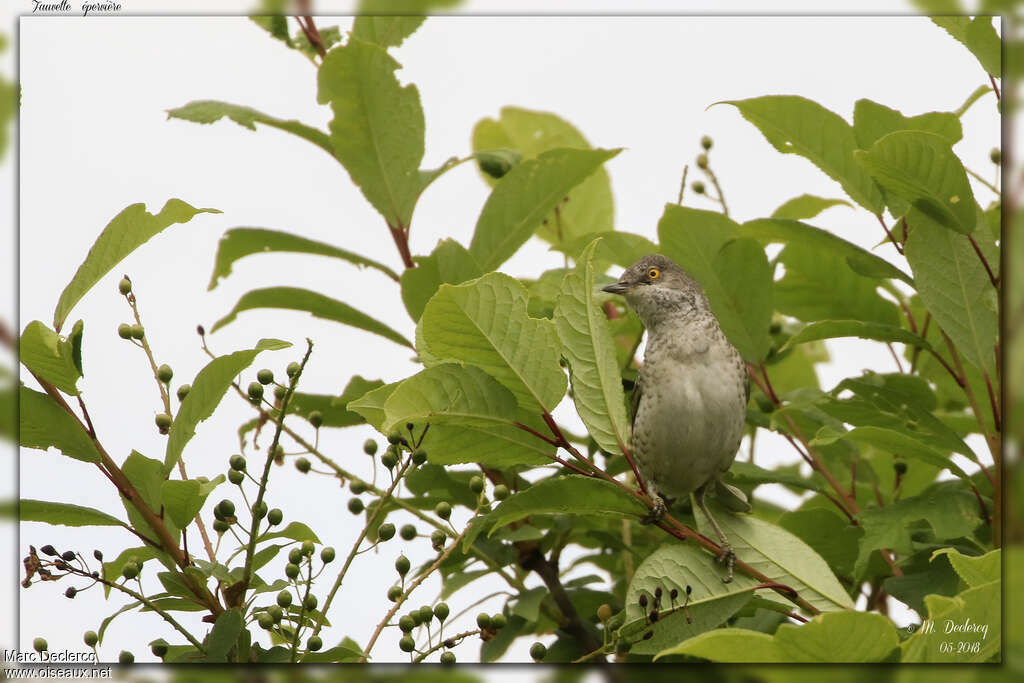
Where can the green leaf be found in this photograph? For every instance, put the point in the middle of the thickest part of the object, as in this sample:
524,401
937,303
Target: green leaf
377,130
389,31
332,408
676,566
64,514
44,423
730,645
796,125
314,303
872,121
834,329
806,206
449,263
978,36
780,556
769,230
371,404
589,208
922,169
736,280
50,357
471,405
274,24
208,389
128,230
975,571
955,288
525,196
747,474
184,499
241,242
977,94
831,535
297,531
224,635
142,554
583,329
616,248
977,610
892,441
329,36
209,111
484,323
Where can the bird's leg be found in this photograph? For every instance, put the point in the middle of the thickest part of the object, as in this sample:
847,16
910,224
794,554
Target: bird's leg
728,557
658,510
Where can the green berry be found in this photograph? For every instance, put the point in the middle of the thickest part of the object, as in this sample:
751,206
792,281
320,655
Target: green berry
183,391
406,623
137,332
255,391
394,593
125,657
426,614
604,612
499,621
995,155
275,612
284,598
416,617
407,644
124,331
370,447
236,477
259,510
706,142
91,638
314,643
308,548
419,456
130,570
408,532
355,506
39,645
437,539
357,486
500,492
538,651
443,510
164,373
327,555
124,286
266,621
226,508
265,376
483,620
309,602
402,565
476,484
295,555
316,418
293,369
698,187
447,657
386,532
163,421
395,438
237,462
220,526
279,392
159,649
275,516
389,459
441,611
302,465
291,570
702,161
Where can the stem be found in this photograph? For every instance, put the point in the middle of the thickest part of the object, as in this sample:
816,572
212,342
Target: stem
682,185
995,88
718,188
547,570
896,358
401,237
991,439
887,232
991,276
982,180
312,34
167,617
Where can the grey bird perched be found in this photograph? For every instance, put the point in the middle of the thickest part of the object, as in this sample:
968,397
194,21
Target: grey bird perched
689,402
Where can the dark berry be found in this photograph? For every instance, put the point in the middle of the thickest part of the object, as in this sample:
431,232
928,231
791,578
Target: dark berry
355,506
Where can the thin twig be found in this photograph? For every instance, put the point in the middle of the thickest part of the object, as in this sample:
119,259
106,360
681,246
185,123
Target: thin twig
888,233
977,250
682,185
896,358
995,88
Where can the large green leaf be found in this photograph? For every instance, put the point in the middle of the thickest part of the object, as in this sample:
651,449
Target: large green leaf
241,242
975,571
50,357
862,261
128,230
64,514
386,31
183,499
978,36
828,532
224,634
679,566
922,169
977,612
796,125
472,411
371,404
894,441
484,323
525,196
834,329
617,248
209,111
377,129
780,556
449,263
737,279
315,303
955,288
589,207
208,389
44,423
872,121
806,206
730,645
596,384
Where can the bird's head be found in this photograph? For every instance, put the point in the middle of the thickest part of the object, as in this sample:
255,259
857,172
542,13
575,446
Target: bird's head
655,287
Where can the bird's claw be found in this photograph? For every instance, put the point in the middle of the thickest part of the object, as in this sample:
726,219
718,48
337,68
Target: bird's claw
657,512
728,558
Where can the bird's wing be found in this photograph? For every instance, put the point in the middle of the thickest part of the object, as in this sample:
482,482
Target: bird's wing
634,401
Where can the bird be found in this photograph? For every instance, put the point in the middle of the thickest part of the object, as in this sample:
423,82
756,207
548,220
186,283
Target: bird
690,396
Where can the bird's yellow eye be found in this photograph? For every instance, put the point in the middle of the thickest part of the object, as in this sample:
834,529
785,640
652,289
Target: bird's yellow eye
654,273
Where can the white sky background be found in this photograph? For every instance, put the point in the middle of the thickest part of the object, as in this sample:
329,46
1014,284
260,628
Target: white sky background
94,139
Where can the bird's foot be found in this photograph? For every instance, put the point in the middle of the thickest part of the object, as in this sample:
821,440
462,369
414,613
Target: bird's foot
728,558
657,512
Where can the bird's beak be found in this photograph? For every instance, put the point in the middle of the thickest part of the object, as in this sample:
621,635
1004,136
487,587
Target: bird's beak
616,288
